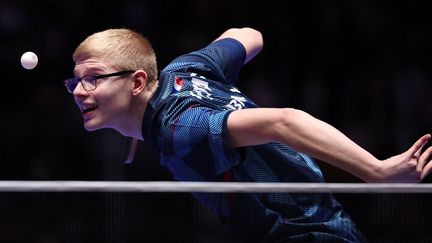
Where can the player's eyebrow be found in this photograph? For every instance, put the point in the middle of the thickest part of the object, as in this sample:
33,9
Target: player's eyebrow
89,70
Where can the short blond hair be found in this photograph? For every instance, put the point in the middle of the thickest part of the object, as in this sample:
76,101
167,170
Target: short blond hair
126,50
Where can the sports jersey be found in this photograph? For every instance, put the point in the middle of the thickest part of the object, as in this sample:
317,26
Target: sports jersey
186,120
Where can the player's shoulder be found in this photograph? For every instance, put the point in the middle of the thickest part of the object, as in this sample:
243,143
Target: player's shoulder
203,58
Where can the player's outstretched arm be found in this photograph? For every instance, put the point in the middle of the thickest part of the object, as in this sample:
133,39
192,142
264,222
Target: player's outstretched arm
250,38
324,142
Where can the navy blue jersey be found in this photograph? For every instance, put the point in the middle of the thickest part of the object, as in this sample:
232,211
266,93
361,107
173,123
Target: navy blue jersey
186,121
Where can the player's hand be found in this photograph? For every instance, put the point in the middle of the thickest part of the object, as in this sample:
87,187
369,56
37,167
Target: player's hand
410,166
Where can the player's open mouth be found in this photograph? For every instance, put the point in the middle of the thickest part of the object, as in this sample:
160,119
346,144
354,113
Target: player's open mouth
88,109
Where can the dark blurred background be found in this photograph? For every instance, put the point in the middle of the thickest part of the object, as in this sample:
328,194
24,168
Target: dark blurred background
363,66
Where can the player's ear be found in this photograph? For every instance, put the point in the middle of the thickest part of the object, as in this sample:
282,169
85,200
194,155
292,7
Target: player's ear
139,82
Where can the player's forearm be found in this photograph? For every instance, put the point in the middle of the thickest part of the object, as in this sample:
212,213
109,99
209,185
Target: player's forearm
324,142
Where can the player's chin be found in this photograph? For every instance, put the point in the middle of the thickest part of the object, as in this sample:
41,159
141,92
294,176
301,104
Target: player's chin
91,126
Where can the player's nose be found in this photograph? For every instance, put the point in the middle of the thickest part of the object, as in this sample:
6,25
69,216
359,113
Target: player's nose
79,90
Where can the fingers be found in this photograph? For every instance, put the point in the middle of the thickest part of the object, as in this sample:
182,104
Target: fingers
423,159
426,170
415,150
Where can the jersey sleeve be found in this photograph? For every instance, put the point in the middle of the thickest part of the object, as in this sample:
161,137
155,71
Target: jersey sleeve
222,60
196,137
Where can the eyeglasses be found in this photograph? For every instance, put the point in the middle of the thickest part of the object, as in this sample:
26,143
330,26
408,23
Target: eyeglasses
89,82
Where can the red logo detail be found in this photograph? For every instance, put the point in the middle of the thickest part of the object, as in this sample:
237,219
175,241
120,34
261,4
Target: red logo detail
178,84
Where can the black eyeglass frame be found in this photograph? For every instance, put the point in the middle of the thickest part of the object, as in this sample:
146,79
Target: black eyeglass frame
73,82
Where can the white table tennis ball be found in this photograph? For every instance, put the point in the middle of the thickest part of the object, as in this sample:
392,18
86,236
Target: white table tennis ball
29,60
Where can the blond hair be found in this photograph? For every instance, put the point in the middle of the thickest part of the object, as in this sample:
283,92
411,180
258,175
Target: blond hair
126,50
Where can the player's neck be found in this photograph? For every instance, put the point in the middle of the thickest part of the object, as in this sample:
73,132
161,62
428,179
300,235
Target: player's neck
131,126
